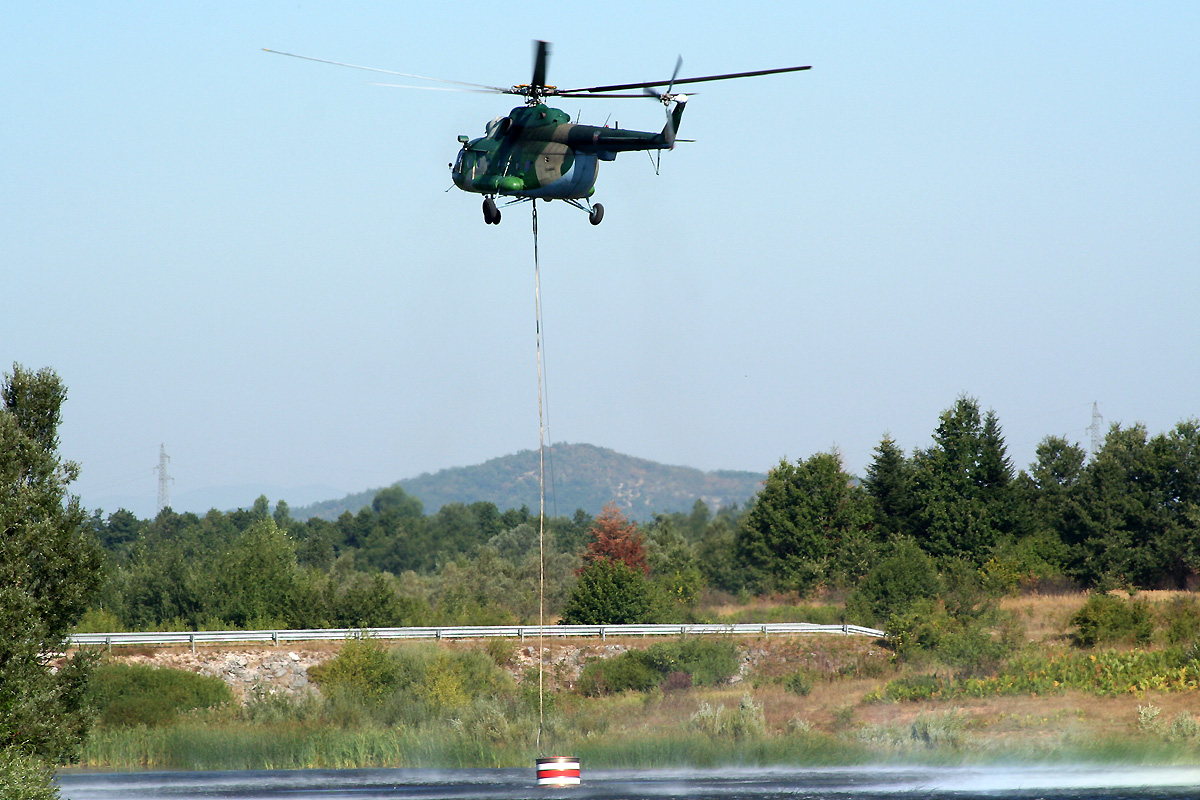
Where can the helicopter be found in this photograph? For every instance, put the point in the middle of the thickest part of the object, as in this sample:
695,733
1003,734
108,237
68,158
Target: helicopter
536,152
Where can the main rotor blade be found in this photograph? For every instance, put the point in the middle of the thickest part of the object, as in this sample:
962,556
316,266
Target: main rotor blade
440,88
388,71
593,96
617,87
675,74
541,51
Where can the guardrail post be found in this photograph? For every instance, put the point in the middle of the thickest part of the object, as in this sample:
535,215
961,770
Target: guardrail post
192,641
521,633
765,632
275,638
108,641
439,633
602,637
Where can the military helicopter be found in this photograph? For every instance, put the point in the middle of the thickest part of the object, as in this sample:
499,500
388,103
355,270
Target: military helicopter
537,153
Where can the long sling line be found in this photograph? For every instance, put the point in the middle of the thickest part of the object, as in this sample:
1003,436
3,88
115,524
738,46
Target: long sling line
537,302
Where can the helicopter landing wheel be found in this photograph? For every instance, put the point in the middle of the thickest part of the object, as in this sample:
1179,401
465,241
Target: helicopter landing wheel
491,214
596,214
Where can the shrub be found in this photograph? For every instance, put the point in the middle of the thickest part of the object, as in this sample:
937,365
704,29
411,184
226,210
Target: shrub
746,721
799,682
936,730
442,679
1181,619
896,583
974,642
502,651
708,661
705,662
135,694
618,674
1107,618
362,668
1184,727
1148,718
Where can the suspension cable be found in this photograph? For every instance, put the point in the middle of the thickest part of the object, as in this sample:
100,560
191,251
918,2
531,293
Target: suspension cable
537,303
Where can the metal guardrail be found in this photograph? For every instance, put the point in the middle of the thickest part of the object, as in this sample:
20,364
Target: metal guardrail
521,632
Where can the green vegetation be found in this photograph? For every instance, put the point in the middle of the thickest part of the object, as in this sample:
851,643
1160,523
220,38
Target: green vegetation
132,694
1105,619
49,571
1108,673
932,546
24,777
939,534
700,662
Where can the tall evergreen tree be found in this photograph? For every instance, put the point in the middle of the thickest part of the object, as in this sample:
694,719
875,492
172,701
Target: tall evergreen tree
799,521
962,485
1135,516
889,483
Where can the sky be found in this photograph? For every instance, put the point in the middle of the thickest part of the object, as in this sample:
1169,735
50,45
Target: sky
254,261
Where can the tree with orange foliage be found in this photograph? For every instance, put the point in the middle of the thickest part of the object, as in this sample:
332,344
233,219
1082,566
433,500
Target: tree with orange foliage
615,538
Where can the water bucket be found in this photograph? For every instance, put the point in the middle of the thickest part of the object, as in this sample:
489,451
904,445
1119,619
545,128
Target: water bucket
558,771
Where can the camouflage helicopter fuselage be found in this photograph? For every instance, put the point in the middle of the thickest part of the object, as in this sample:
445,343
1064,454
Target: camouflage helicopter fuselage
537,152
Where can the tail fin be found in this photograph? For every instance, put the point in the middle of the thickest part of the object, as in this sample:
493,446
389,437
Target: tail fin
672,127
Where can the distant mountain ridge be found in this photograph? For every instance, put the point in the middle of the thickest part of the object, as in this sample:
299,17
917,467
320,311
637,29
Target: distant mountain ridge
577,476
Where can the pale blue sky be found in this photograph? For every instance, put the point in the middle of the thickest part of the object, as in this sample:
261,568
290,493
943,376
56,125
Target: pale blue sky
253,259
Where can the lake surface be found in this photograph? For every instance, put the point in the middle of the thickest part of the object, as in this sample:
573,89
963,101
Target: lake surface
960,783
741,783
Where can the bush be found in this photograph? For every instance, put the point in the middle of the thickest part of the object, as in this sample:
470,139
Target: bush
362,669
746,721
1181,619
705,662
628,671
937,730
1107,618
134,694
799,682
895,584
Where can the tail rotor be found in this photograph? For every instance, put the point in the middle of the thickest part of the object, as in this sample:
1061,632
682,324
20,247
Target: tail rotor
672,119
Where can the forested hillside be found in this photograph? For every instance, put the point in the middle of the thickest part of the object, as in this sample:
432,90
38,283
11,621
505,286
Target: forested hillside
577,476
923,545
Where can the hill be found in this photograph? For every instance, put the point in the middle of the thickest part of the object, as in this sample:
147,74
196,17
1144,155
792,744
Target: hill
577,475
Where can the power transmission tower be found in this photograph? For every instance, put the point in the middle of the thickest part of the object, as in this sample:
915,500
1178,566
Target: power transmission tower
1096,429
164,480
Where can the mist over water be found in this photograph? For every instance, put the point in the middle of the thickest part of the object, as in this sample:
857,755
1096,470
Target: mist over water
1055,782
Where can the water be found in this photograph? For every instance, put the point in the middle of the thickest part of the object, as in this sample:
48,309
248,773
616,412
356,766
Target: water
767,783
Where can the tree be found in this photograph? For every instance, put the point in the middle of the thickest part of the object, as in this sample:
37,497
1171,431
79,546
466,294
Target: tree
394,498
609,592
1132,517
962,485
256,577
802,517
50,568
615,538
889,482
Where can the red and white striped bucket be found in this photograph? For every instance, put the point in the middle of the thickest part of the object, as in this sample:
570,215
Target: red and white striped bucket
558,771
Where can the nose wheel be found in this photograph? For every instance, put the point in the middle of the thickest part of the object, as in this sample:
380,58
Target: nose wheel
596,214
491,214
